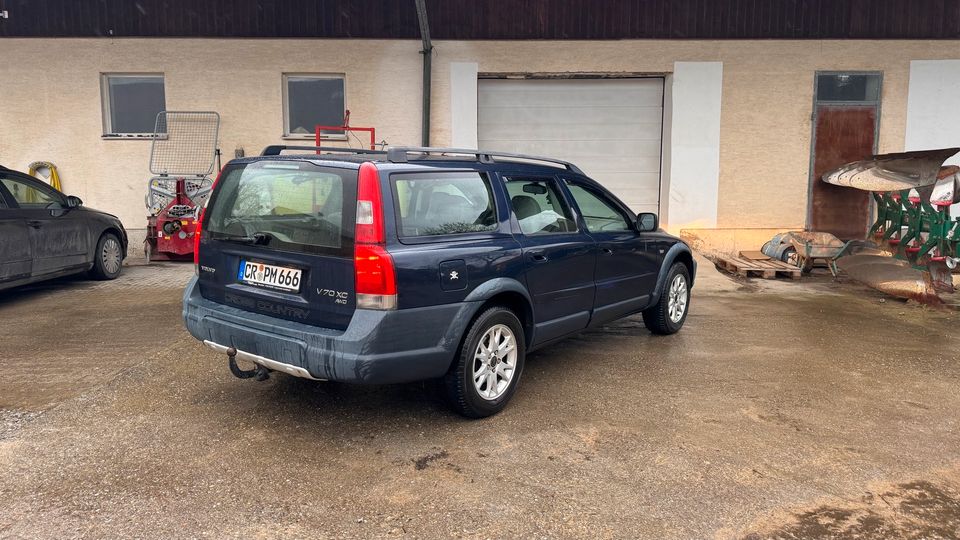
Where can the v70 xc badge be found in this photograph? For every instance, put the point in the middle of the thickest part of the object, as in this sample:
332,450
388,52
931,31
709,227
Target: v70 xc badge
340,297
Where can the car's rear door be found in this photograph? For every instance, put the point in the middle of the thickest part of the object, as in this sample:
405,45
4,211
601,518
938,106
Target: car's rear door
59,239
626,272
453,232
278,240
559,256
15,250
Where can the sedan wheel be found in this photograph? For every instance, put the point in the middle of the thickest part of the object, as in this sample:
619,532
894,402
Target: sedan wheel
111,255
108,259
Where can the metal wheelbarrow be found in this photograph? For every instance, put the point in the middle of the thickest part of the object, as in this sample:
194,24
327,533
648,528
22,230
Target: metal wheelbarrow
803,248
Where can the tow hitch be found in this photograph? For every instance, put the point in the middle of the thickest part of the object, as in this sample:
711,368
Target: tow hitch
259,373
264,365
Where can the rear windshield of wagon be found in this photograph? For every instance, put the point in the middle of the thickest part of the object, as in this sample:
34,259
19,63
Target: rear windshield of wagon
287,206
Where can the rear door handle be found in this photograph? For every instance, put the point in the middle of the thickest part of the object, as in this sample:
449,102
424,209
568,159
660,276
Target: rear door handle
538,256
606,251
34,223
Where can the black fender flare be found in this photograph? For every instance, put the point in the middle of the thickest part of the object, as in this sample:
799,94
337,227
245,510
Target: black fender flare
671,257
500,285
493,287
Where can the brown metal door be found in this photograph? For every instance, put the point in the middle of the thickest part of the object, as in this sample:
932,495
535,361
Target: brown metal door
843,133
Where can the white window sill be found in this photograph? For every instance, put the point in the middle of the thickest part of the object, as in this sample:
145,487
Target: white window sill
130,137
313,138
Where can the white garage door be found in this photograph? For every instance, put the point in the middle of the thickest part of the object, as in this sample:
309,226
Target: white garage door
610,128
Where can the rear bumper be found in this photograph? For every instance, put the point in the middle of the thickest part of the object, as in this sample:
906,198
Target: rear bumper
296,371
378,347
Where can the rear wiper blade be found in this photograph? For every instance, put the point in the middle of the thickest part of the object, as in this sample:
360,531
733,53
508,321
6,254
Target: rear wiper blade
257,239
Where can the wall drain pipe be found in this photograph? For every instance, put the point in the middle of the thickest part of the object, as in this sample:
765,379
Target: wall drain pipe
427,53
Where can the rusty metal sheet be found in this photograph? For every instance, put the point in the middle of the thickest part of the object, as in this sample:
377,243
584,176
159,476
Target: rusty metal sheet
816,245
892,172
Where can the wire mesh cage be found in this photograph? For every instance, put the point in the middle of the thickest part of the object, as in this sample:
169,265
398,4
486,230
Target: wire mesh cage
184,143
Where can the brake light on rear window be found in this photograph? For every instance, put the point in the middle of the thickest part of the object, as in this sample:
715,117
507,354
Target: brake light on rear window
198,227
374,275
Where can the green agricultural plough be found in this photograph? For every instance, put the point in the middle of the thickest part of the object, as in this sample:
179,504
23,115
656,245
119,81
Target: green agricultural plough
913,192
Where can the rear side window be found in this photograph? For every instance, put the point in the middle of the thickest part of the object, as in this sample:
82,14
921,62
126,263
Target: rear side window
295,206
29,194
438,203
539,207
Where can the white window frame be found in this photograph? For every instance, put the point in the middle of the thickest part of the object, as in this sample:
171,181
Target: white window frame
286,105
107,132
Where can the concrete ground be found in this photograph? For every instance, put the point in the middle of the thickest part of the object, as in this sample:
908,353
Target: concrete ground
782,410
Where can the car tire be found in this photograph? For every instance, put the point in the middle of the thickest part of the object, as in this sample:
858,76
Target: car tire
669,313
108,258
478,361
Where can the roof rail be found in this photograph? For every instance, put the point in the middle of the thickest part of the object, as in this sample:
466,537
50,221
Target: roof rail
276,149
399,154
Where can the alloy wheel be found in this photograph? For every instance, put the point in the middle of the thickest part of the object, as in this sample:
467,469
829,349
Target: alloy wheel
677,298
495,362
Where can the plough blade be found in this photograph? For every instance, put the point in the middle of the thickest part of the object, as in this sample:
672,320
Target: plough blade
947,189
891,276
892,172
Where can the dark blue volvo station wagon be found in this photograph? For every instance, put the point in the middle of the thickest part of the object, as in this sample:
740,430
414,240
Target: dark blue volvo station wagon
421,263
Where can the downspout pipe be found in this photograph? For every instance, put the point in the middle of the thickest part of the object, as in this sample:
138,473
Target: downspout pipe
427,53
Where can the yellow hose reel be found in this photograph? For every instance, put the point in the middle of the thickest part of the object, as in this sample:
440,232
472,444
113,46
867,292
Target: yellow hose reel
53,179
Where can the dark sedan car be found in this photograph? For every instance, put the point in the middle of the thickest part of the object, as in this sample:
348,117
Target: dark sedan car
45,234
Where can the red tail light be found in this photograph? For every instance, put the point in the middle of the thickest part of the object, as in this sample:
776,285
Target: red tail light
369,207
374,270
374,275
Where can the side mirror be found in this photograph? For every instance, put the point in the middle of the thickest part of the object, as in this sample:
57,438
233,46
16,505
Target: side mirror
647,222
73,201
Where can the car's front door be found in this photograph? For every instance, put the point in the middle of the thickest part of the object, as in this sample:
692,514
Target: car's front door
58,238
15,251
626,271
559,256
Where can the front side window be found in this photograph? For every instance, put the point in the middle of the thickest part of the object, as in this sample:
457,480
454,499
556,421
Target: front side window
539,207
438,203
291,206
131,104
28,194
311,101
599,214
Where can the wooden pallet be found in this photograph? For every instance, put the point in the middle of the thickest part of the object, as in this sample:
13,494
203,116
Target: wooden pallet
768,269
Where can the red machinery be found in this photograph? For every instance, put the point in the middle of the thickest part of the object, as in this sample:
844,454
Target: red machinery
170,231
183,156
346,128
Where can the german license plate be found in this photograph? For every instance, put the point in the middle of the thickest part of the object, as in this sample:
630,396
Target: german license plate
268,275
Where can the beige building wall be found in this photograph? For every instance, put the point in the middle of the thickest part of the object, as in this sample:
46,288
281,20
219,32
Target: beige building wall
765,128
50,106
